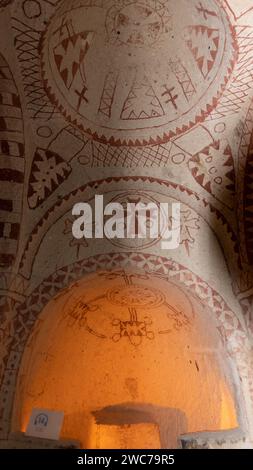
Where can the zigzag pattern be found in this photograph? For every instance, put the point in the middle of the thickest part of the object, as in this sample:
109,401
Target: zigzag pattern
242,174
235,95
27,42
183,78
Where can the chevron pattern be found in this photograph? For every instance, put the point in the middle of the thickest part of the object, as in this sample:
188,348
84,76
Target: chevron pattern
27,42
240,86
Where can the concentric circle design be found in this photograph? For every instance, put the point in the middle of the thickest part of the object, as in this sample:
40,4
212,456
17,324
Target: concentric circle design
142,218
135,296
137,73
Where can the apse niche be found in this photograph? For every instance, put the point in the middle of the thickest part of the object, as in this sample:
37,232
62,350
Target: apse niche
132,359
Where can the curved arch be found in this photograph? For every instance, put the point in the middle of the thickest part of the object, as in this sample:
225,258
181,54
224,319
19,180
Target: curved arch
230,326
144,339
87,192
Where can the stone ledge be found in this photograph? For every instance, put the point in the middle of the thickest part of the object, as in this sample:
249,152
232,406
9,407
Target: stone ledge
231,439
21,441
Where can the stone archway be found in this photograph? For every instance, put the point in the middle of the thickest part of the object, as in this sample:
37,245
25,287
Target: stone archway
228,323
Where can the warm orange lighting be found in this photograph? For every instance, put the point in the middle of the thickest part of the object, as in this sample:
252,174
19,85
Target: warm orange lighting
131,436
124,339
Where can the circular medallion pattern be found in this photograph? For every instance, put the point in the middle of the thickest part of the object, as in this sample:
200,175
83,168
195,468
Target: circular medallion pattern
142,219
135,296
137,73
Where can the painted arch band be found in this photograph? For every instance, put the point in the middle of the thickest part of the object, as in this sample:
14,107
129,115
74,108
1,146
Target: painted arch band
137,73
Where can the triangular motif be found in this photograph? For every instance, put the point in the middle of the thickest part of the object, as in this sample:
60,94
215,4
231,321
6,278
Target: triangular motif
141,102
69,55
213,169
203,43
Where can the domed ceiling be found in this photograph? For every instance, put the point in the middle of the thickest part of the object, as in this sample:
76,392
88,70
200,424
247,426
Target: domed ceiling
124,338
161,70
